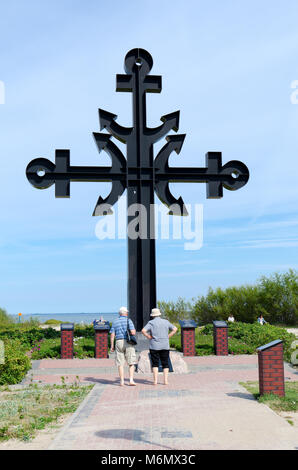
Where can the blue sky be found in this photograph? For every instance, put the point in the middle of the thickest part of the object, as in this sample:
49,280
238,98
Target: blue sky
228,66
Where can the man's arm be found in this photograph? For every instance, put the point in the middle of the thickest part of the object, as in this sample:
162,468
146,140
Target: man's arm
131,328
112,341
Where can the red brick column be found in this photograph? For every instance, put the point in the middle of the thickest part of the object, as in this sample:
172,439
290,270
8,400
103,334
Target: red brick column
271,368
67,340
220,338
188,340
101,341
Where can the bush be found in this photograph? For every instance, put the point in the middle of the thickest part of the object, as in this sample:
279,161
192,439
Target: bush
27,335
51,348
53,322
275,297
32,337
46,348
16,363
175,311
85,331
279,297
245,338
218,304
204,343
5,319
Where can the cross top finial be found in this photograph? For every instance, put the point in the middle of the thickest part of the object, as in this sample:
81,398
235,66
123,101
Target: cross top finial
138,60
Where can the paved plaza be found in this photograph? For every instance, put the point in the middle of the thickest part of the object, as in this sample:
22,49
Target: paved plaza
203,409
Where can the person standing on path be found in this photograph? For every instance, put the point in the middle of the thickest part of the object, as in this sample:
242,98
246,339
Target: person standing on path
124,350
157,331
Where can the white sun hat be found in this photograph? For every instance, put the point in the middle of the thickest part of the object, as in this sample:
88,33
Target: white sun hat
155,312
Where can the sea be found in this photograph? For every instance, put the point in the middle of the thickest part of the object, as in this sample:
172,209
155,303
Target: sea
79,318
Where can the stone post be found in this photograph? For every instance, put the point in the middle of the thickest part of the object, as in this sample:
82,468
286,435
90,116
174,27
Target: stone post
220,338
67,340
101,331
271,368
188,341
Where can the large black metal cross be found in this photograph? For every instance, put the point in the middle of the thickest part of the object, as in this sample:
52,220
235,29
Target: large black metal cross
140,174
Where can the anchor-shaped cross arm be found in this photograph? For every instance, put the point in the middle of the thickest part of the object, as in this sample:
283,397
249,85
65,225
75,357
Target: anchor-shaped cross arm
232,176
161,167
170,122
43,173
103,142
107,121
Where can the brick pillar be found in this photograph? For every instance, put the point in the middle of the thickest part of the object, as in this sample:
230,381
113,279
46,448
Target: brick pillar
67,340
271,368
220,338
188,341
101,340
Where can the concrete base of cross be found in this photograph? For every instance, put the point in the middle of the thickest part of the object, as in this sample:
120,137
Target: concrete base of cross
143,343
178,363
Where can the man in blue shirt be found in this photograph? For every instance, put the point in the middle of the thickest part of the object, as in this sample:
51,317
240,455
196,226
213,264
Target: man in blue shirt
124,350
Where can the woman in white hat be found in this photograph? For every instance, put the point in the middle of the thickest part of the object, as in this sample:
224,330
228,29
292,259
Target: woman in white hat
158,331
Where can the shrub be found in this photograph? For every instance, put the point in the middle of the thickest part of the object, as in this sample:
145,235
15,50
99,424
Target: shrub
16,363
53,322
251,336
275,297
5,319
51,348
27,335
242,301
175,311
279,297
46,348
86,331
33,337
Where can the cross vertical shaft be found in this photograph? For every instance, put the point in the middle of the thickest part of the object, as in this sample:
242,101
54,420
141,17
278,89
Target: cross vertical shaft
141,286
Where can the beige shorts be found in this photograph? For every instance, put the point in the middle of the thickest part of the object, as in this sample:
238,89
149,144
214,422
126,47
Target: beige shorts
125,352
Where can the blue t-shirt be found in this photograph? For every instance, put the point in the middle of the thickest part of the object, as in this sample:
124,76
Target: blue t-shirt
119,327
159,328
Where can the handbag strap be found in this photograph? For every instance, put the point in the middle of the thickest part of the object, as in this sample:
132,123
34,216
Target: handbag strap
127,328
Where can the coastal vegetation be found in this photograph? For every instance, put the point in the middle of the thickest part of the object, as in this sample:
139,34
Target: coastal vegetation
275,297
244,338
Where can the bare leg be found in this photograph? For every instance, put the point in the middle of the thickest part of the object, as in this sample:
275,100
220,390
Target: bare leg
131,371
165,376
121,373
155,375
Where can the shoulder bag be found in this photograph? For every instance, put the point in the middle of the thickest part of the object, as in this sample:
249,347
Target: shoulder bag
131,339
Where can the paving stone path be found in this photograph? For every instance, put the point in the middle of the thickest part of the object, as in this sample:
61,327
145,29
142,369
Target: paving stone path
204,409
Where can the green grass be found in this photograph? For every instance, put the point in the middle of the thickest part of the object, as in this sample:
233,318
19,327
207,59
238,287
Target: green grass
25,411
287,403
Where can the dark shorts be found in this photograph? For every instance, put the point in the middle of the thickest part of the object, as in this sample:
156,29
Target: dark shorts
163,355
